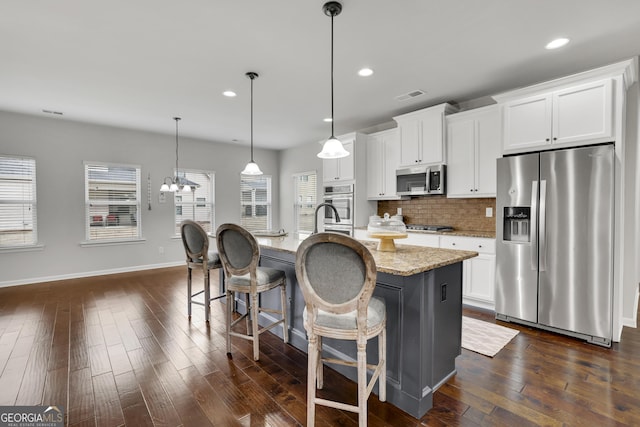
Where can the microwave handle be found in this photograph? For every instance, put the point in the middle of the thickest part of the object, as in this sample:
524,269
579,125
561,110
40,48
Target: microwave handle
428,180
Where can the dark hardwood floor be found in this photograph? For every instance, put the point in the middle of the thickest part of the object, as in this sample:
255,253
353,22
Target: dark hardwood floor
119,350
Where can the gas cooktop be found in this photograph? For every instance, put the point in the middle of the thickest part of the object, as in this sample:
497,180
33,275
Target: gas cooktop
422,227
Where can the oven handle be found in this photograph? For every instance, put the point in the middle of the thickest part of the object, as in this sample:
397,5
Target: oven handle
335,196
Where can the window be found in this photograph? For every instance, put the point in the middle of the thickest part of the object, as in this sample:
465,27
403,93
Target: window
255,201
304,190
198,205
112,200
17,201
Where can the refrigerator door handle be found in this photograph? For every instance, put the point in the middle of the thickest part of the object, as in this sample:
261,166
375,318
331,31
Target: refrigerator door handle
543,225
534,225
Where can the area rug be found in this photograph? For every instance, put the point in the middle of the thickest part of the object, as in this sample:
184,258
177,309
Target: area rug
483,337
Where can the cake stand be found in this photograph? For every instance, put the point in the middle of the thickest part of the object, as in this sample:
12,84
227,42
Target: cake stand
387,243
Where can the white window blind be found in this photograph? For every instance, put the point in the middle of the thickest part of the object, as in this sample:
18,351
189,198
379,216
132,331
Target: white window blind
255,202
304,190
198,205
17,201
112,198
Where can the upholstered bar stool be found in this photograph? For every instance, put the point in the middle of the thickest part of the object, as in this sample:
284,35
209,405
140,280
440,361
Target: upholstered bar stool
240,255
337,275
196,246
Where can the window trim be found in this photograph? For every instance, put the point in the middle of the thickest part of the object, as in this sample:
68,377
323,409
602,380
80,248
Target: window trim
268,203
35,244
87,242
294,178
195,203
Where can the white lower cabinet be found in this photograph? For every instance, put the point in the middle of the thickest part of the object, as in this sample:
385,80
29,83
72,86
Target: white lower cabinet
478,274
421,239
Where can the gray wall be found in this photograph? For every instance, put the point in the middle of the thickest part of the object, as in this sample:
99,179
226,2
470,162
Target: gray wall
60,147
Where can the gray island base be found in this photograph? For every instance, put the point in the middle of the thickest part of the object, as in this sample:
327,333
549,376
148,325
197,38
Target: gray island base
422,289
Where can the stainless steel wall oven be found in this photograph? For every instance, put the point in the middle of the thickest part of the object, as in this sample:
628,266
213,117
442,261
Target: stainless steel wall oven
340,197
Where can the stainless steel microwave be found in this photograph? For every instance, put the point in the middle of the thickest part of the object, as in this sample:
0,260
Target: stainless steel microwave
421,180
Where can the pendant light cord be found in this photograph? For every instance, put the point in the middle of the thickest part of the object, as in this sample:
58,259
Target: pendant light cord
176,119
251,119
332,133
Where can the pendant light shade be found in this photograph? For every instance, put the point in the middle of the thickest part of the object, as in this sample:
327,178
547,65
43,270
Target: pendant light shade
252,167
173,184
332,148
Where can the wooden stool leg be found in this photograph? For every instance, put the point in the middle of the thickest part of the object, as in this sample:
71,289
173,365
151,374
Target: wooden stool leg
189,292
254,321
207,295
230,299
283,297
362,384
312,367
319,365
382,359
249,308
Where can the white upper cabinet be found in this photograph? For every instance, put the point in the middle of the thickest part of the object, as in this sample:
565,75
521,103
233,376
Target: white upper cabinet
383,158
576,115
339,169
473,145
583,113
422,135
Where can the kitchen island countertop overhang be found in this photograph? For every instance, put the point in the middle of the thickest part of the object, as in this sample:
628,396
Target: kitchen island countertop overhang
406,261
422,290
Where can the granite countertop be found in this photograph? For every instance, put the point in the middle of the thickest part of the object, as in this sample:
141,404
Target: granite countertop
406,261
463,233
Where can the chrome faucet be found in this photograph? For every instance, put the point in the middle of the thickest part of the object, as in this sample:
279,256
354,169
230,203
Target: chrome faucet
315,217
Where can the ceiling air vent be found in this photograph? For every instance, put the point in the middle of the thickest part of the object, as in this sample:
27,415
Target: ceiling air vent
410,95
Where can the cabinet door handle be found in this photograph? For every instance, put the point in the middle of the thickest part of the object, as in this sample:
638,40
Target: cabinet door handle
555,138
547,139
479,246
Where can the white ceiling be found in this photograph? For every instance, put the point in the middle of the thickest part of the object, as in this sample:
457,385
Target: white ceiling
137,64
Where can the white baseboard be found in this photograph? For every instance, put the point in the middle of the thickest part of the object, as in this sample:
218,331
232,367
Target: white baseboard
79,275
632,322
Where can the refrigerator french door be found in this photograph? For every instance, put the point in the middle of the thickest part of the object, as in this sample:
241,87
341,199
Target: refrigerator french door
554,246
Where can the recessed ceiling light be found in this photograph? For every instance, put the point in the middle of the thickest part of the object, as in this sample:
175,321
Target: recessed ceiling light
554,44
229,93
365,72
327,119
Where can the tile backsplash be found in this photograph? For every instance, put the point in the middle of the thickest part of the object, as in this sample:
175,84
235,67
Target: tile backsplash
461,214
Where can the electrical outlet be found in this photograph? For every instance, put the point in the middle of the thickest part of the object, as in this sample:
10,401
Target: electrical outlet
161,250
162,198
489,212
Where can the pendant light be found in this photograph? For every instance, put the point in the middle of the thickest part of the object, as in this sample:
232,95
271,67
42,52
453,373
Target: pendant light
332,148
174,183
252,167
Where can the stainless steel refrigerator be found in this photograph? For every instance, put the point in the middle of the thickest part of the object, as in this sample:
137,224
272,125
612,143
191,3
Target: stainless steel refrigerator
554,241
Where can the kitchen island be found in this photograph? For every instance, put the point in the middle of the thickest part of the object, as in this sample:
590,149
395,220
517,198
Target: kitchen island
422,289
